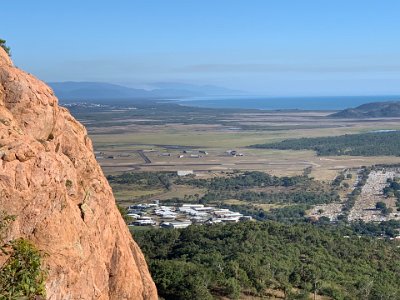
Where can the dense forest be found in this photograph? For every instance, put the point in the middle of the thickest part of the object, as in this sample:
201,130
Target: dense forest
284,252
143,179
285,214
258,258
245,180
253,187
283,197
365,144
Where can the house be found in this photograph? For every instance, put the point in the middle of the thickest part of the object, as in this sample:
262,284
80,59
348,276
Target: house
206,208
133,215
230,220
212,221
183,224
143,223
193,205
145,218
233,215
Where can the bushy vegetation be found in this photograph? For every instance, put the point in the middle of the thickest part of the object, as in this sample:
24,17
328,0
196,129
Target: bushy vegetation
201,262
21,276
124,213
393,190
143,179
252,187
366,144
385,228
286,214
245,180
283,197
4,46
383,208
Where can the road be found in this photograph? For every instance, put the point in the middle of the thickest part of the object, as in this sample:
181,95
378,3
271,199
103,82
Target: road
144,156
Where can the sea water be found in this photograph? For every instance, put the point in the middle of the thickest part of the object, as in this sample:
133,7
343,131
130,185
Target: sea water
277,103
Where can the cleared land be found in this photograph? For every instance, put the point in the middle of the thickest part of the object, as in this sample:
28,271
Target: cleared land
372,193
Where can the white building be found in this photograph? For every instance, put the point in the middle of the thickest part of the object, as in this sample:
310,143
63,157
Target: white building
184,173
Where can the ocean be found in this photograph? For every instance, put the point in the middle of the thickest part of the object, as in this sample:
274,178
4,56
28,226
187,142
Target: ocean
270,103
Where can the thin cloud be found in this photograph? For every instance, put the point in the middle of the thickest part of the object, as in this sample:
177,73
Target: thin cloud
273,68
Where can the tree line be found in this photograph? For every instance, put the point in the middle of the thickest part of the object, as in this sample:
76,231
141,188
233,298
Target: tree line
365,144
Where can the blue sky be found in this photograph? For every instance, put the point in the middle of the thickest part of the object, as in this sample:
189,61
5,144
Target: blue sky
285,47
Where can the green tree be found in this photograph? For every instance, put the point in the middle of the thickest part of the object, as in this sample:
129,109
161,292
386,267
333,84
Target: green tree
380,205
22,277
124,213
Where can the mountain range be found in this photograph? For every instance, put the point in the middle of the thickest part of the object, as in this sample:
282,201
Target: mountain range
71,90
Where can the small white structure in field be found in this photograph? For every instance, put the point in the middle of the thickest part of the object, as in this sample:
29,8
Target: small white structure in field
184,173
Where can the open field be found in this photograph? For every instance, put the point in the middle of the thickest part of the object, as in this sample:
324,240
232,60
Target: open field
145,140
216,136
280,163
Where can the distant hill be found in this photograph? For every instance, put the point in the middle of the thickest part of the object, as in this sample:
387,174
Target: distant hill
71,90
371,110
94,90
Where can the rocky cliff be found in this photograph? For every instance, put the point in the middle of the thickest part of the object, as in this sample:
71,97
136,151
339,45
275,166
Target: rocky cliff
51,182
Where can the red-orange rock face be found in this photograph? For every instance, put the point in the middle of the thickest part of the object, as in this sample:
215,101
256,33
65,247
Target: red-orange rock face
50,180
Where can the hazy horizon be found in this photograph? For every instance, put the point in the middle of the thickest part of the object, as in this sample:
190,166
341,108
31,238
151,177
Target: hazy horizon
290,48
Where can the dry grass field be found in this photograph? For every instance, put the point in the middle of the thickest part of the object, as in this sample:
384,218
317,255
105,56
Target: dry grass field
163,145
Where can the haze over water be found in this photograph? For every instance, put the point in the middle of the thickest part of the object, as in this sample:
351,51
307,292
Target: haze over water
274,103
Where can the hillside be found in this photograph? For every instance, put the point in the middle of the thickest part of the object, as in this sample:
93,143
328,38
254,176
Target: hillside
59,199
371,110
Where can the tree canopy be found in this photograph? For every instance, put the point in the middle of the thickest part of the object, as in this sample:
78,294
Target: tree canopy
202,262
365,144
